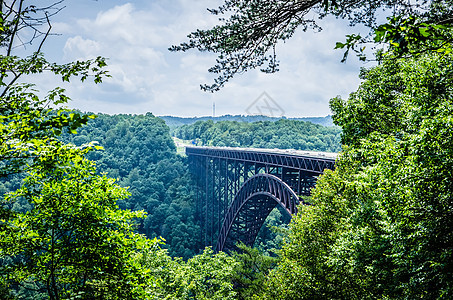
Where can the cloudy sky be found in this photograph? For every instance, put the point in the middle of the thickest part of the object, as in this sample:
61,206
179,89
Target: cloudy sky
146,77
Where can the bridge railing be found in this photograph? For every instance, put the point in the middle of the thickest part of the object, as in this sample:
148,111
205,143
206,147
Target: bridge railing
314,164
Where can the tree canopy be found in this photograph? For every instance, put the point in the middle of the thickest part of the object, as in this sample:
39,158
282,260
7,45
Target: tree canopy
28,123
74,241
69,239
139,152
381,223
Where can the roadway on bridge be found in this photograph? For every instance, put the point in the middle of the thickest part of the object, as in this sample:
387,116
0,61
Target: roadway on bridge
292,152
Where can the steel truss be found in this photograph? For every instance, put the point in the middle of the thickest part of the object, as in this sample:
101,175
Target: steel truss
237,189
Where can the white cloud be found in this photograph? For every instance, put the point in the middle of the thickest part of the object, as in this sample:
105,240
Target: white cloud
80,48
61,28
147,77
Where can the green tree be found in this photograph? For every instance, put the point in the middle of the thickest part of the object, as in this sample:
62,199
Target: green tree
381,223
75,241
204,276
59,212
28,122
250,274
209,276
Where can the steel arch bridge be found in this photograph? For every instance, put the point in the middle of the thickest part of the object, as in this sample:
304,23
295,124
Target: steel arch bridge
237,188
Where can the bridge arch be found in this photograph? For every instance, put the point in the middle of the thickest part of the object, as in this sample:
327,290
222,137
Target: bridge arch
256,198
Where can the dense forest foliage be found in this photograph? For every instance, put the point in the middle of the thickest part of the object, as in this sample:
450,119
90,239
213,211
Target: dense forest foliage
381,223
62,234
283,134
139,152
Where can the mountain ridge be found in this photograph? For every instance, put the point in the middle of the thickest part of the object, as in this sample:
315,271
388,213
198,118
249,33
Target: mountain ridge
173,121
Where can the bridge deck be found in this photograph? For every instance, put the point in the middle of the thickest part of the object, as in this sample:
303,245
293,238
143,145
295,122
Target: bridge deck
310,161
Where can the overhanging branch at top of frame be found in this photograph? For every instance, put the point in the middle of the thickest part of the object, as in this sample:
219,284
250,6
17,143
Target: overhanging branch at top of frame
315,162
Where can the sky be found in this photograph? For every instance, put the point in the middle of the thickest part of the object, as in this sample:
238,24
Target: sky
135,36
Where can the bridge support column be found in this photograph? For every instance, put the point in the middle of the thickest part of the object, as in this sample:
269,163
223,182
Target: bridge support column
222,174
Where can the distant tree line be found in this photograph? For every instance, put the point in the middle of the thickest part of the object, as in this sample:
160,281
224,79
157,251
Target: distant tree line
174,122
282,134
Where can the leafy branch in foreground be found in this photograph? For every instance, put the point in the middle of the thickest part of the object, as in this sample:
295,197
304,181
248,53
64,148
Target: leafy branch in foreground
47,247
75,241
28,122
405,36
250,30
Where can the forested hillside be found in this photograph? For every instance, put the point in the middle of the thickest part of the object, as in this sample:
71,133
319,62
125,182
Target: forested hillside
174,122
282,134
140,153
